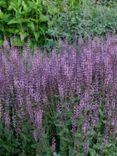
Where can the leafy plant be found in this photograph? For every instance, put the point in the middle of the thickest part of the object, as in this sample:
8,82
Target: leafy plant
29,19
60,103
88,19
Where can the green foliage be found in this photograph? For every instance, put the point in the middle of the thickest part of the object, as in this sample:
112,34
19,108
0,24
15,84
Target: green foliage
22,144
105,2
98,145
23,19
45,21
68,143
73,143
88,19
8,143
29,19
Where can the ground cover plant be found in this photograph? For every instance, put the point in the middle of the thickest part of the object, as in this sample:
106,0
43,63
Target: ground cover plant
63,103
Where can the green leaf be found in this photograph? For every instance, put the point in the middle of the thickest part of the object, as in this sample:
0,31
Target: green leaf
31,26
18,21
1,15
2,4
25,7
36,34
5,17
92,152
6,147
43,18
1,42
13,30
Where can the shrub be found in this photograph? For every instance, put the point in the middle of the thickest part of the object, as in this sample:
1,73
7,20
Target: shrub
22,19
87,20
105,2
68,98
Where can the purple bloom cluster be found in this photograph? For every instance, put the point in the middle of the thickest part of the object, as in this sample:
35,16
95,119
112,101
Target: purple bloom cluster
28,83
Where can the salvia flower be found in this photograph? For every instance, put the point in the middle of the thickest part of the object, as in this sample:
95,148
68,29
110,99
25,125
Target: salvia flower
29,83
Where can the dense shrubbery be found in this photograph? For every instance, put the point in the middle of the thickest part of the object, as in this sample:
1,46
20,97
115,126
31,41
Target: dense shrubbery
45,21
88,19
23,19
105,2
67,99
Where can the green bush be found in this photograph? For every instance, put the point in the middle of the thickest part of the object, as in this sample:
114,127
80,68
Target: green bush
88,19
22,19
105,2
45,21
